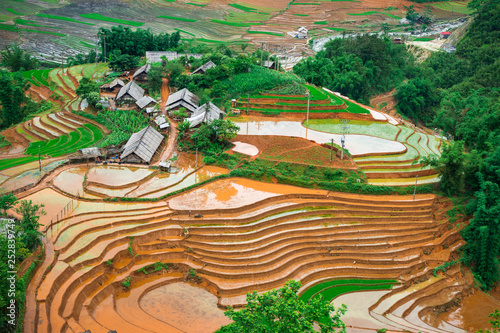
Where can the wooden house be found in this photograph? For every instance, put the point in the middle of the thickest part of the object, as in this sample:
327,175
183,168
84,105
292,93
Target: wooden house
130,93
141,146
206,113
182,98
113,87
203,69
145,102
141,75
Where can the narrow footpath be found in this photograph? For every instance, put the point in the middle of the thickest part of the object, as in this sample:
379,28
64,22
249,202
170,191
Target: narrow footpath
169,148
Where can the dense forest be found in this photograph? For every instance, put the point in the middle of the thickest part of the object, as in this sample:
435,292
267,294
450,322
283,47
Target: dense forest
457,93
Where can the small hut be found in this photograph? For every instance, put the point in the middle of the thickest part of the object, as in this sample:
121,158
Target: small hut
205,113
141,75
141,146
302,33
145,102
268,64
113,87
203,69
445,34
130,93
183,98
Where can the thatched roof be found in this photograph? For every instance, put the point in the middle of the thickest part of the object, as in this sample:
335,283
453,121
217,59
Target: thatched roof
112,84
202,69
143,70
144,101
143,143
132,89
205,113
183,98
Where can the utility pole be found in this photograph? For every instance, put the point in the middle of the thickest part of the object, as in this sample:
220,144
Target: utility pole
345,128
308,98
39,162
415,189
331,152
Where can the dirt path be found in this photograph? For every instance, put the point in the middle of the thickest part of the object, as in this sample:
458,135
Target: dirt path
169,149
389,99
165,92
31,304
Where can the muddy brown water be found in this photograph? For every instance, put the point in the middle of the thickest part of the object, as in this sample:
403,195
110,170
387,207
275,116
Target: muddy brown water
185,306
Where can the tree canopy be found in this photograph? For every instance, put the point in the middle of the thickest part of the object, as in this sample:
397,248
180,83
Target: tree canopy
281,310
16,59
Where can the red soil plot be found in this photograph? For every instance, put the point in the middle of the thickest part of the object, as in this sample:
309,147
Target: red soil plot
295,150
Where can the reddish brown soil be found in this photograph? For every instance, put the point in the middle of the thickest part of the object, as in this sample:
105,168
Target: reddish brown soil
295,150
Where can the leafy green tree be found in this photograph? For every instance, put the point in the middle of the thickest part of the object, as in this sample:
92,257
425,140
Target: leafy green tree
88,89
28,229
281,310
450,166
483,234
180,114
121,62
16,59
155,76
214,136
411,14
7,201
415,98
15,104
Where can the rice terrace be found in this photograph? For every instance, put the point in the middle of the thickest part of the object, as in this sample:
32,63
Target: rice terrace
249,166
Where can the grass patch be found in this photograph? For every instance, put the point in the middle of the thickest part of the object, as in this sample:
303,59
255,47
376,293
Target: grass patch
235,24
243,8
12,162
266,33
372,12
321,22
32,23
12,11
335,29
195,4
63,18
87,44
453,7
99,17
8,27
184,31
381,130
305,3
177,18
301,14
423,39
309,293
44,32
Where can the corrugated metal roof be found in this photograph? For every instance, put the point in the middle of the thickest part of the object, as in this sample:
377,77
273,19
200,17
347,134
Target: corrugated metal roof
143,70
132,89
143,143
144,101
155,56
204,67
113,84
268,64
201,114
183,98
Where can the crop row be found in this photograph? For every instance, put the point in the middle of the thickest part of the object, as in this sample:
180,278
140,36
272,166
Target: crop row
81,138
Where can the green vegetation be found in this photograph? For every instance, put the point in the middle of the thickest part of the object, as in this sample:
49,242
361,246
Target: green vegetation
122,124
375,12
135,43
381,130
266,33
177,18
444,267
99,17
336,286
126,282
157,266
423,39
16,59
12,162
195,4
83,137
243,8
27,238
234,24
32,23
282,310
63,18
358,67
335,29
13,11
